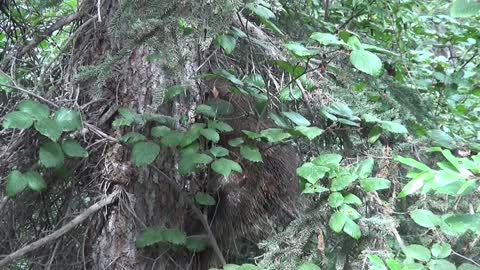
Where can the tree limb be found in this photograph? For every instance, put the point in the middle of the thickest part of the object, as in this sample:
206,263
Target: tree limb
60,232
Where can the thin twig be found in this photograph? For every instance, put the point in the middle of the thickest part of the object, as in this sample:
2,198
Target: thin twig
60,232
466,258
198,213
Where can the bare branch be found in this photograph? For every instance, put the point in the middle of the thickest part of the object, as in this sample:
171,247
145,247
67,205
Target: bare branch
60,232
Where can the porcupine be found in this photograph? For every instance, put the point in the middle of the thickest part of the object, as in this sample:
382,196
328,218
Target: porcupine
263,190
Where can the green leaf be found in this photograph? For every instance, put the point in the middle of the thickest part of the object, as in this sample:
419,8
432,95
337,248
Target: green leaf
206,111
342,181
354,43
220,126
225,166
133,137
235,142
393,127
441,250
144,153
309,132
418,252
197,243
221,107
275,134
328,160
337,221
309,266
150,236
210,134
292,69
464,8
425,218
160,131
297,118
35,181
204,199
393,264
352,199
376,262
174,236
251,153
374,134
255,80
49,128
366,61
468,266
299,50
413,186
261,11
350,212
373,184
326,39
442,138
364,168
351,228
119,122
16,183
73,149
441,265
227,43
219,151
174,91
412,163
20,120
464,222
68,119
335,199
174,138
311,172
51,155
35,109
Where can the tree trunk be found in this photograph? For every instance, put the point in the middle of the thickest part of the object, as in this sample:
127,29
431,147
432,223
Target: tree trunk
120,50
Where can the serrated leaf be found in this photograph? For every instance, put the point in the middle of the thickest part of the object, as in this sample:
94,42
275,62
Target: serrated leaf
35,181
197,243
68,119
204,199
441,250
326,39
225,166
352,229
119,122
311,172
49,128
73,149
227,43
309,132
342,181
301,51
418,252
132,137
144,153
337,221
255,80
235,142
174,236
219,151
35,109
210,134
425,218
160,131
20,120
366,61
150,236
297,118
352,199
374,183
206,111
251,153
393,127
220,126
275,134
335,199
16,183
51,155
364,168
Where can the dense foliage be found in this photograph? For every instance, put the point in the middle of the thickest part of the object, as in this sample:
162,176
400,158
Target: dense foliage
379,97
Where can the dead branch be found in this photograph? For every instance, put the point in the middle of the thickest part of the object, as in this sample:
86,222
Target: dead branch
60,232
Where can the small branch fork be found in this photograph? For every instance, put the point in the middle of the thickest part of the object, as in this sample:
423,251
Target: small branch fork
60,232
